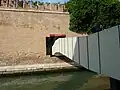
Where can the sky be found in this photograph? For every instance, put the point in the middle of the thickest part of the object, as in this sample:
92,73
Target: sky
53,1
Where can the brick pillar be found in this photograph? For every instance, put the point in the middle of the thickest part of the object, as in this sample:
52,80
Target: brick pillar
23,3
0,2
8,3
16,3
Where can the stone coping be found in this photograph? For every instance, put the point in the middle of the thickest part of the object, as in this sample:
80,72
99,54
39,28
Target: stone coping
33,11
34,68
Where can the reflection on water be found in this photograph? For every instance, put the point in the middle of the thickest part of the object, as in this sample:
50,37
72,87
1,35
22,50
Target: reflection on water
56,81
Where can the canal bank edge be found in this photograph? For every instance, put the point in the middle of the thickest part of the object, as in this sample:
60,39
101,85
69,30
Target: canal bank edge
35,68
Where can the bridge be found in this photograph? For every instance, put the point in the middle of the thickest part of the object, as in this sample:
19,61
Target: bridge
98,52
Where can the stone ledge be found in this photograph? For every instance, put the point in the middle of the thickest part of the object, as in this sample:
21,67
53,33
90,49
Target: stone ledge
34,68
33,11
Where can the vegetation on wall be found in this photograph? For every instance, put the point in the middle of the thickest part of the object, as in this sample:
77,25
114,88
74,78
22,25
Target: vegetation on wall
93,15
35,3
20,4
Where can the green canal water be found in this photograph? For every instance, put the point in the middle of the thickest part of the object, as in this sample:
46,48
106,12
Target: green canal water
51,81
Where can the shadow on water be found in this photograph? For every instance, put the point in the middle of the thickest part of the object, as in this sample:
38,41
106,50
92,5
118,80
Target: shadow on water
72,80
76,81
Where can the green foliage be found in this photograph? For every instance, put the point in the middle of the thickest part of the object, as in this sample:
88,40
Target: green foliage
47,3
20,4
37,2
88,15
40,3
34,3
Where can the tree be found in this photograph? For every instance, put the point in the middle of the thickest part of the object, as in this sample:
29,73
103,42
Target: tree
34,3
20,4
89,15
40,3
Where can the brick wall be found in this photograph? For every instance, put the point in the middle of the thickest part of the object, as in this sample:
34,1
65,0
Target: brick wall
22,33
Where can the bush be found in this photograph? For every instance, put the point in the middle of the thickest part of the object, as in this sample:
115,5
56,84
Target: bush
93,15
20,4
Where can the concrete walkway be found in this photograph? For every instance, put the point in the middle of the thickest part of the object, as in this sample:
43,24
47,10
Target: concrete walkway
35,67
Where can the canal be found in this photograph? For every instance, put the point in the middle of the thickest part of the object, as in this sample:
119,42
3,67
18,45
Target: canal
52,81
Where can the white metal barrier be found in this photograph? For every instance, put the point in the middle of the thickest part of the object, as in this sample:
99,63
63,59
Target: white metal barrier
99,52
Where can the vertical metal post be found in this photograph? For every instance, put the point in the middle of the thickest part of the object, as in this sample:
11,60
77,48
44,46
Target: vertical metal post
99,52
87,51
119,34
78,49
